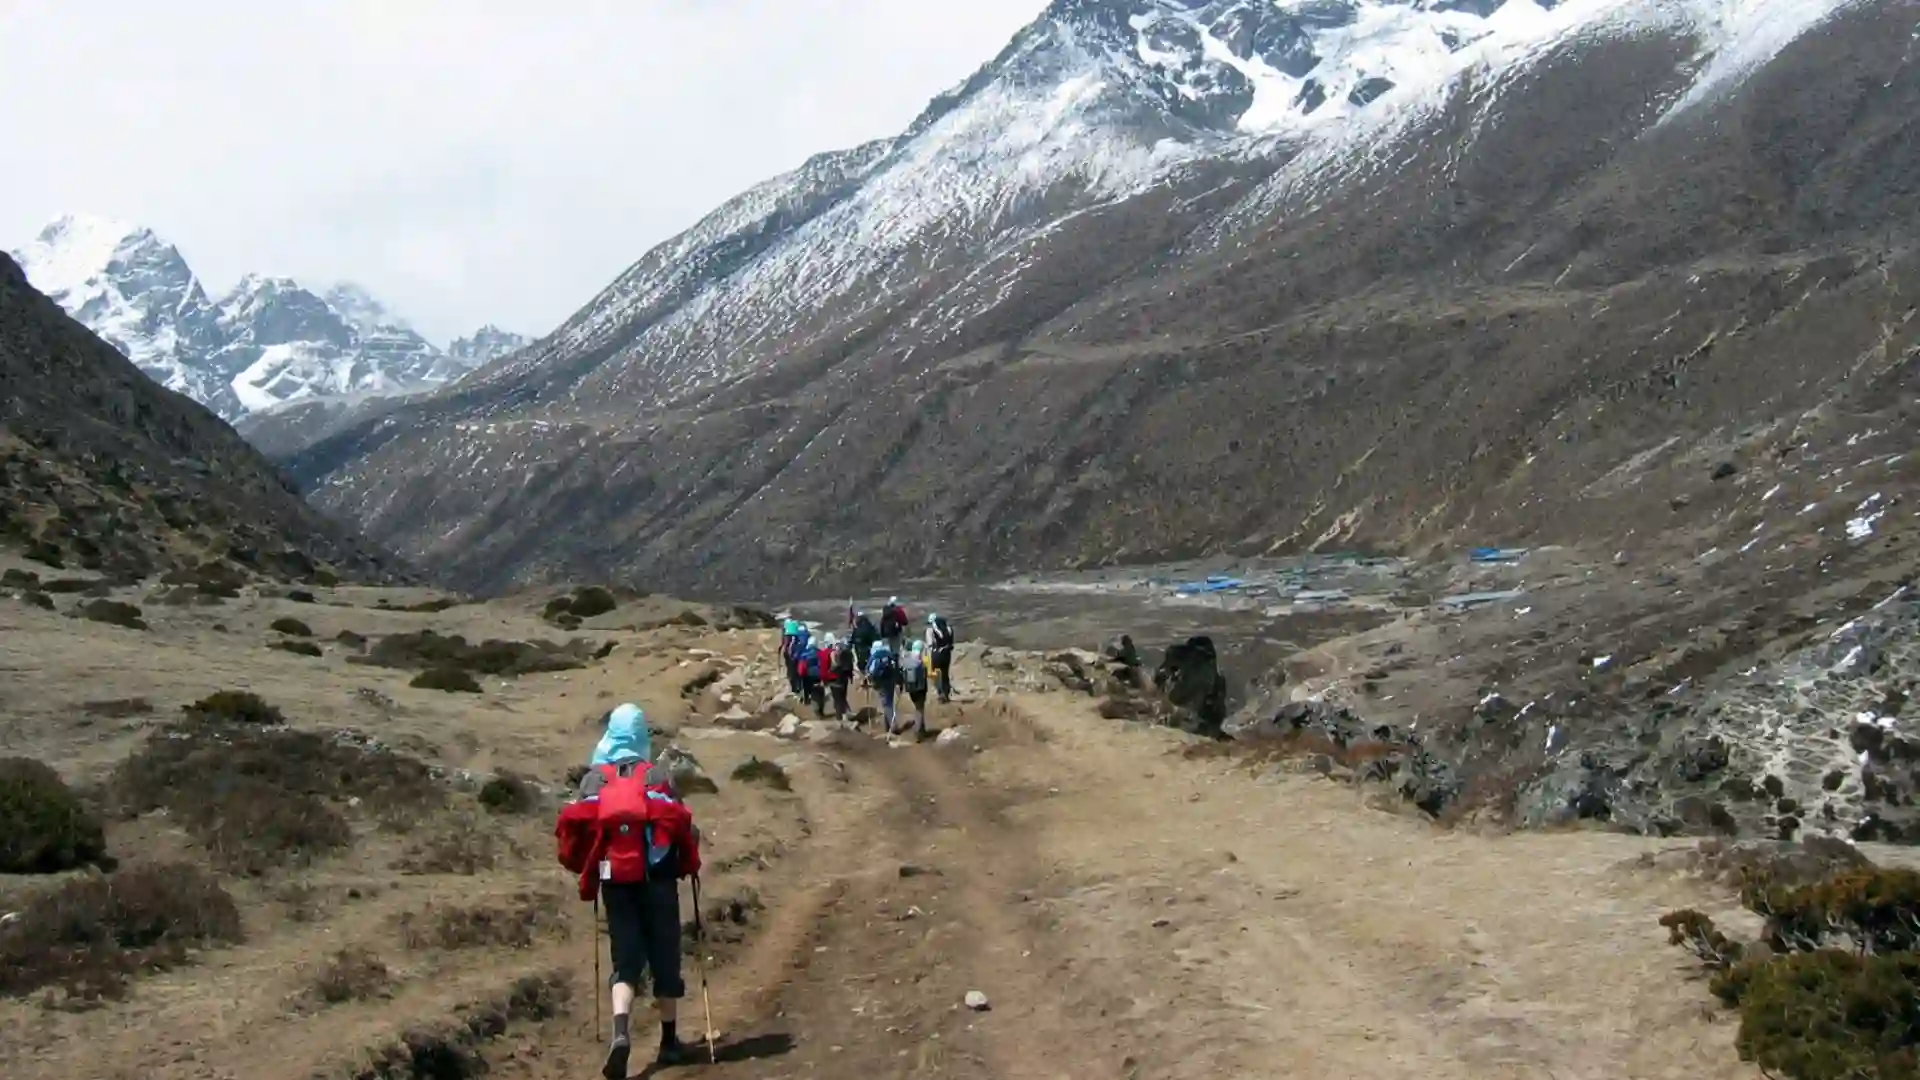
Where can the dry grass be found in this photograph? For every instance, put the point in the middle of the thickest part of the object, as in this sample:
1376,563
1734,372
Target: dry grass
462,844
511,923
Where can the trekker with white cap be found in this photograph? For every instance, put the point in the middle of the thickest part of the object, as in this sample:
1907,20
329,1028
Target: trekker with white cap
940,655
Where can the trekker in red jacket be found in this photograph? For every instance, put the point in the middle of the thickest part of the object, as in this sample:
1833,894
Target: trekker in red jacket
631,839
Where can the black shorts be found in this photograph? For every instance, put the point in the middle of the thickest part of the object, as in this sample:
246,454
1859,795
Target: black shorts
643,932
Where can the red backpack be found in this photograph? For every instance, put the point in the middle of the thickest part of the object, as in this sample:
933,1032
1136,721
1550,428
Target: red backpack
635,832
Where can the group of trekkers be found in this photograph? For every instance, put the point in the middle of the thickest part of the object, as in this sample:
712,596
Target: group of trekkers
822,673
629,837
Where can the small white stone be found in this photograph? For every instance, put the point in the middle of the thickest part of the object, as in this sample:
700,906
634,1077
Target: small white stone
977,1001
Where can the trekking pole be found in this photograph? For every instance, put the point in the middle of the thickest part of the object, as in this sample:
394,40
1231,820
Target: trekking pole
596,966
700,961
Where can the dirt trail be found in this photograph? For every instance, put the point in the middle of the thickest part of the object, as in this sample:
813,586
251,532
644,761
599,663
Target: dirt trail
1133,912
1133,905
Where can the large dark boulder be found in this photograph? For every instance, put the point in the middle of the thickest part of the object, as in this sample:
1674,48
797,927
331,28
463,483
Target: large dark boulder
1191,680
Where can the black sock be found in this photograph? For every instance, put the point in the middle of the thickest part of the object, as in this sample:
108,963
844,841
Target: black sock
620,1025
669,1033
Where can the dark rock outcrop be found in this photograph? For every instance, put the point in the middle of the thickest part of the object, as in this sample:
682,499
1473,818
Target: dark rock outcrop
1194,686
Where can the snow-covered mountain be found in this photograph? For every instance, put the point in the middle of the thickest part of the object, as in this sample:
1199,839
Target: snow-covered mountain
489,343
266,342
1162,276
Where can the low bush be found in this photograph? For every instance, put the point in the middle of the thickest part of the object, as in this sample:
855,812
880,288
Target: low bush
91,934
351,640
352,974
509,793
235,707
298,648
427,649
19,579
593,601
113,613
44,828
1834,1015
755,771
512,923
1809,1010
291,627
302,596
260,797
452,680
431,607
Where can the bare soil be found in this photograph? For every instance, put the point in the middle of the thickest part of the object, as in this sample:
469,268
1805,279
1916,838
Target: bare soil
1133,903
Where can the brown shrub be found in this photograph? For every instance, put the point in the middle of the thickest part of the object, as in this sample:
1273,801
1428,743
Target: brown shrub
451,680
509,793
235,707
259,797
113,613
352,974
298,648
44,828
91,934
291,627
428,650
510,923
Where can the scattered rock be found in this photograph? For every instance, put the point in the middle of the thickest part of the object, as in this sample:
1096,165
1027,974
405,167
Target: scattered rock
1724,470
912,870
789,727
977,1001
952,736
1701,758
684,772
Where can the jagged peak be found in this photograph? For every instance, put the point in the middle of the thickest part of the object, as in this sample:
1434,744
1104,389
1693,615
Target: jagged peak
75,248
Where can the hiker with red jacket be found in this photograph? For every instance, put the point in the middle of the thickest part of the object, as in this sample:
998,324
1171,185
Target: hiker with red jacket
893,624
631,839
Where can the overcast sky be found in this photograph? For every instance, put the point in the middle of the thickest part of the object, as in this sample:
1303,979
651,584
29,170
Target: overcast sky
468,161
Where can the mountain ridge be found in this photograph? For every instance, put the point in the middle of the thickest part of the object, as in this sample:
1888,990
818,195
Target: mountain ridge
991,334
262,344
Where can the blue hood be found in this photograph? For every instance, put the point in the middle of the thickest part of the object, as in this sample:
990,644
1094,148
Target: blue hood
626,739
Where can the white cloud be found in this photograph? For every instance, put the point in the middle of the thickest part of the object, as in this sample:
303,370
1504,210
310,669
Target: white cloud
468,161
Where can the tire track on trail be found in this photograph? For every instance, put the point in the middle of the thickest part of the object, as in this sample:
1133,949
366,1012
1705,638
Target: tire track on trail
923,893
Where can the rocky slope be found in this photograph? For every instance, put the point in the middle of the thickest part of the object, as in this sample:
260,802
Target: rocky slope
102,469
1168,278
266,342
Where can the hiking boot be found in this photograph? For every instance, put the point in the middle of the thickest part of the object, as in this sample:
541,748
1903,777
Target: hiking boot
673,1052
617,1053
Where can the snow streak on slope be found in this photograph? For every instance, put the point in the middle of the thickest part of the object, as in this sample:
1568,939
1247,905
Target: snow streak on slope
1735,36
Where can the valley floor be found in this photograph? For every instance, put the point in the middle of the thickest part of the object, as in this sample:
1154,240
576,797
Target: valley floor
1133,904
